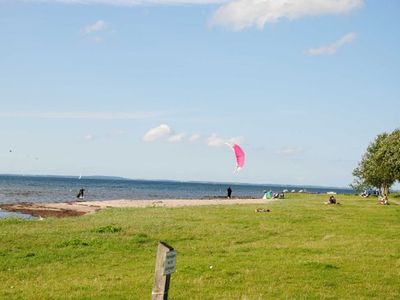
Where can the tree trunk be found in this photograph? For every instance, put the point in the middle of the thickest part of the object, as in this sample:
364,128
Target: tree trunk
385,191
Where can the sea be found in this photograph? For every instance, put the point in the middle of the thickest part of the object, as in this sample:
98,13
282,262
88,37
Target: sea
18,188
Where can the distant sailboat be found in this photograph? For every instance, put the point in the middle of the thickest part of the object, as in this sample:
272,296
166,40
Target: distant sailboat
80,176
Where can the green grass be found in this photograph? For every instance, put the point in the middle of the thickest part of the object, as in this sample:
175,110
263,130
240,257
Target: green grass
302,249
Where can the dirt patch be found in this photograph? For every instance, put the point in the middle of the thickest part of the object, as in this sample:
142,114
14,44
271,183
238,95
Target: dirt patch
42,211
73,209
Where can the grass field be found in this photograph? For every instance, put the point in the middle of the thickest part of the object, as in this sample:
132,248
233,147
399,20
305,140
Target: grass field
302,249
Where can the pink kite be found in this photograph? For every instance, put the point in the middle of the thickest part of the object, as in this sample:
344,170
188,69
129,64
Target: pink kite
239,153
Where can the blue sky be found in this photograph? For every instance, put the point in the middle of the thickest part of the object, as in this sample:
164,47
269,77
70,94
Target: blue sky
153,89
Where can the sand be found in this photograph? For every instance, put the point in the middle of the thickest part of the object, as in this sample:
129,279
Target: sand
71,209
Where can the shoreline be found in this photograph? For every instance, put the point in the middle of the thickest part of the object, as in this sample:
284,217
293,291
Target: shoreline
80,208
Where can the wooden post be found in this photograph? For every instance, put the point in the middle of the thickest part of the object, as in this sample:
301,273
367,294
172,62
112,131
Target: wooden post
162,276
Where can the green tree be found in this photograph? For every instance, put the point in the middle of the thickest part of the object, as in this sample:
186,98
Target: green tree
392,153
380,165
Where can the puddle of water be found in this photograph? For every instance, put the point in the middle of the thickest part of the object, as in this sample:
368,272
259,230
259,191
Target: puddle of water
9,214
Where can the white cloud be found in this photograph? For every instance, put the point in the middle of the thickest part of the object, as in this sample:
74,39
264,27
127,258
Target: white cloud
235,14
95,27
158,132
215,141
236,140
94,32
240,14
163,132
177,137
81,115
290,151
166,133
194,137
127,2
332,48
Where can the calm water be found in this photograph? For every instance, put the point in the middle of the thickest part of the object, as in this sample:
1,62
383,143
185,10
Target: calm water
14,189
9,214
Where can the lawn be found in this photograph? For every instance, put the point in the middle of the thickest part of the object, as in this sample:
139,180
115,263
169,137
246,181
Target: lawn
301,249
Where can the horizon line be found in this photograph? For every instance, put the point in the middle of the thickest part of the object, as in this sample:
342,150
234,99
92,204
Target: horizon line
177,180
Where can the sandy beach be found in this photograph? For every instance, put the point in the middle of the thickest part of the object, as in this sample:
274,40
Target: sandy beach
71,209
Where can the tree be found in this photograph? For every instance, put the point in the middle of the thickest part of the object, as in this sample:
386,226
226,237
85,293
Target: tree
380,165
392,153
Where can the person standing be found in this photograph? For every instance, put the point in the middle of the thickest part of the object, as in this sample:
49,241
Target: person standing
229,192
80,194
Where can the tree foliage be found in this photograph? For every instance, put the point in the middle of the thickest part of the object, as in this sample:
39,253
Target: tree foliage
380,165
392,153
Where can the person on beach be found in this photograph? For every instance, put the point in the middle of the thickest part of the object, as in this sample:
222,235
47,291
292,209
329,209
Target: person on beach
80,194
267,195
229,193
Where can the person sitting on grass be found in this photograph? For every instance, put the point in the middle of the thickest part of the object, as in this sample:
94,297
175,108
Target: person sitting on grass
365,194
384,201
332,200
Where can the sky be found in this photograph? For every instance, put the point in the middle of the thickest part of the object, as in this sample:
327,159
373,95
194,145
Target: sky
155,89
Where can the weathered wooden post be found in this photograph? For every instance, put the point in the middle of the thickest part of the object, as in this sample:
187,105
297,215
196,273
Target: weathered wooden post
165,265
